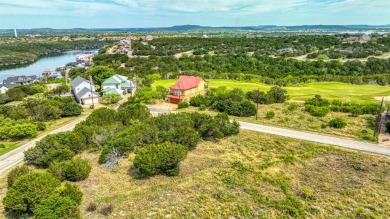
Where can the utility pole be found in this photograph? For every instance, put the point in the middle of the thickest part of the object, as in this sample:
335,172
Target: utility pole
257,101
378,119
90,80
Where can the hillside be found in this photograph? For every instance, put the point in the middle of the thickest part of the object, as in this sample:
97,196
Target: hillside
252,175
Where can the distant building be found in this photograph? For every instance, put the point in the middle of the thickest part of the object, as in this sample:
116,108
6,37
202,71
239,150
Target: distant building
185,88
84,91
119,85
124,46
5,87
21,80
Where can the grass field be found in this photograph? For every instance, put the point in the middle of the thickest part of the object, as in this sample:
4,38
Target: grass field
252,175
332,90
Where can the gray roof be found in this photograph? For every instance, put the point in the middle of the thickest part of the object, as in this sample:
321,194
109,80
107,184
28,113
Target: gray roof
83,91
77,81
20,79
9,85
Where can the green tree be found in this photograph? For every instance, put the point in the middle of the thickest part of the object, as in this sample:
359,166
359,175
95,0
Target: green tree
29,190
57,207
100,74
163,158
16,173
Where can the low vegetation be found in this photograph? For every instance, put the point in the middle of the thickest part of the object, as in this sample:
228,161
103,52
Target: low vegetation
269,176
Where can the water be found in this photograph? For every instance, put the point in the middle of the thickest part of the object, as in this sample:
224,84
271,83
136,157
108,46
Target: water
37,67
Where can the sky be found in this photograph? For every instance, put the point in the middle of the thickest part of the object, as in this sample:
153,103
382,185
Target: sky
164,13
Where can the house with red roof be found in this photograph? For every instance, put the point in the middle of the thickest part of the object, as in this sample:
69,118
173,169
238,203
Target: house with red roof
185,88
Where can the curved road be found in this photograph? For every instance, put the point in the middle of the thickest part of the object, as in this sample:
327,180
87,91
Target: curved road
14,157
325,139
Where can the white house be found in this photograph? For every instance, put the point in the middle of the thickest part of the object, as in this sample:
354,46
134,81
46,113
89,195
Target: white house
84,91
118,84
5,87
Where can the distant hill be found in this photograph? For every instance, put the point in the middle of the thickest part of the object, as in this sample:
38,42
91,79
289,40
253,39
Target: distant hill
196,28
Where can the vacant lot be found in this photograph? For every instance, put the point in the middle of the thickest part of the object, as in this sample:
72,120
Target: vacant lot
331,90
251,175
360,127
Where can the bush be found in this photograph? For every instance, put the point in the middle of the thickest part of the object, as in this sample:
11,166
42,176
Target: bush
16,173
270,115
29,190
71,191
183,104
202,107
186,136
277,95
292,106
72,170
54,155
199,100
163,158
317,111
26,130
56,206
111,98
337,123
61,146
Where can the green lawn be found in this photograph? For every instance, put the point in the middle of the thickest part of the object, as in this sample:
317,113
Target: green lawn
332,90
9,147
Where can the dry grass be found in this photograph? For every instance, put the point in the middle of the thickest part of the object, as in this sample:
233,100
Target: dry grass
252,175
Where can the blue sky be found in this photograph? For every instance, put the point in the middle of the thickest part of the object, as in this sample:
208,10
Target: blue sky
163,13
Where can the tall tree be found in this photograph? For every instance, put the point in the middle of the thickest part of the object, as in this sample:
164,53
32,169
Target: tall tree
100,74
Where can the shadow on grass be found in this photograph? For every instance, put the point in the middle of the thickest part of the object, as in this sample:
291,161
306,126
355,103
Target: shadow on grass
135,174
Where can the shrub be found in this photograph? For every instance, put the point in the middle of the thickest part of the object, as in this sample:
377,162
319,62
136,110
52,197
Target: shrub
53,147
202,107
317,111
337,122
106,210
16,173
91,207
270,115
20,131
292,106
182,105
72,170
199,100
186,136
111,98
163,158
54,155
29,190
277,95
71,191
56,206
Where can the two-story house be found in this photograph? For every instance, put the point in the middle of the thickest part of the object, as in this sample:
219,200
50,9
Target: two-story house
185,88
84,91
119,85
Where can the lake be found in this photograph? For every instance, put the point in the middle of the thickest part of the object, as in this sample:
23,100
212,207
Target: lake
37,67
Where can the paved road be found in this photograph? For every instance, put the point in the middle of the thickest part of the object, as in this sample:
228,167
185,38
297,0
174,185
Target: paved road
341,142
13,157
